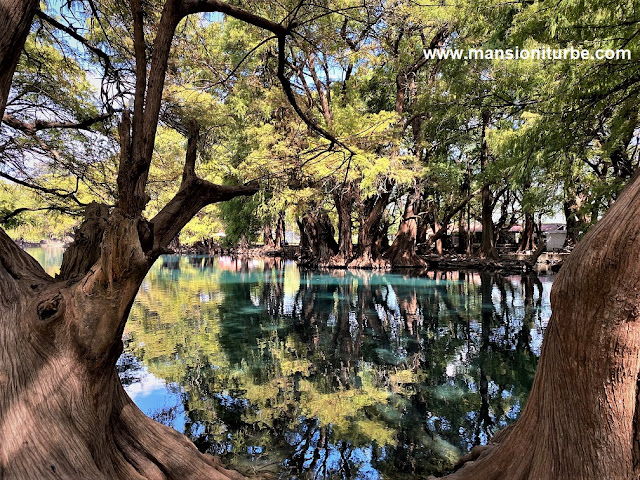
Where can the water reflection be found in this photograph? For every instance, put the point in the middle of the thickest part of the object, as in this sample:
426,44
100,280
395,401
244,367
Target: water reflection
332,375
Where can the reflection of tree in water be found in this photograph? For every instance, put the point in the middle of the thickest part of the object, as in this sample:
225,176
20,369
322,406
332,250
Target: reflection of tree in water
352,373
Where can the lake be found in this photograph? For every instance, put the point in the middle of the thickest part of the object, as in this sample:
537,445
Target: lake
338,374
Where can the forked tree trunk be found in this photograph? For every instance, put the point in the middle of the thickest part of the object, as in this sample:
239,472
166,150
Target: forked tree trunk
582,417
371,233
402,252
63,411
343,200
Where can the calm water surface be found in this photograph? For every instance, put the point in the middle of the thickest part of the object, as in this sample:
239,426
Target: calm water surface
336,374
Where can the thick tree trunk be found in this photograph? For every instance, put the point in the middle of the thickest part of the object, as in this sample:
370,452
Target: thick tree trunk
463,236
64,411
574,221
17,16
372,230
317,242
267,236
343,200
487,244
581,419
280,231
526,241
402,252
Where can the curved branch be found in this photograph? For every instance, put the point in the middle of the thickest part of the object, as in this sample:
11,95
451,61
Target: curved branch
193,195
77,37
50,191
288,90
20,210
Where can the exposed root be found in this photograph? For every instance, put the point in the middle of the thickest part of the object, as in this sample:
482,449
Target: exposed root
157,451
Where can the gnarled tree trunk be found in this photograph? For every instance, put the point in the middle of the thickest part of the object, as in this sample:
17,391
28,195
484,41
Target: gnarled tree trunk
17,16
317,242
343,200
581,419
372,230
402,252
63,410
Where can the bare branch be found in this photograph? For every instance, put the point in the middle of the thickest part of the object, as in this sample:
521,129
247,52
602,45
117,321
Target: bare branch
188,7
76,36
37,125
51,191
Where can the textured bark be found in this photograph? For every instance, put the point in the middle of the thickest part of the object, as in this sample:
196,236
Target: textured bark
574,220
464,246
84,252
402,252
17,16
487,244
344,200
317,242
280,231
526,243
372,231
63,410
581,418
267,236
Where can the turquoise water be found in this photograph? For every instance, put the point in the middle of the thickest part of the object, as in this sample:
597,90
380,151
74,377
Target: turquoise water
336,374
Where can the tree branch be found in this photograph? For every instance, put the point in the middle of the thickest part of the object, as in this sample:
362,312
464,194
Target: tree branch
52,191
442,231
193,195
188,7
5,218
288,90
37,125
76,36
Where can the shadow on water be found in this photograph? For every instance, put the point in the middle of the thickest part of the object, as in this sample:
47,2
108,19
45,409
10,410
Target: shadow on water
307,374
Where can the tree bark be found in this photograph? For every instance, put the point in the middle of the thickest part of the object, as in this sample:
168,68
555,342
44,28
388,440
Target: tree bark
343,200
17,16
526,242
280,231
317,242
64,411
463,236
402,252
487,244
574,220
370,241
268,237
581,418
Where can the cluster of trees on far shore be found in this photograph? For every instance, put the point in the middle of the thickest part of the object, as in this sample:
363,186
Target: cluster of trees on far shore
359,142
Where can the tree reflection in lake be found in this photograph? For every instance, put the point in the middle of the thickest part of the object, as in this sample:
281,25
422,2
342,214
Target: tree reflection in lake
335,374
